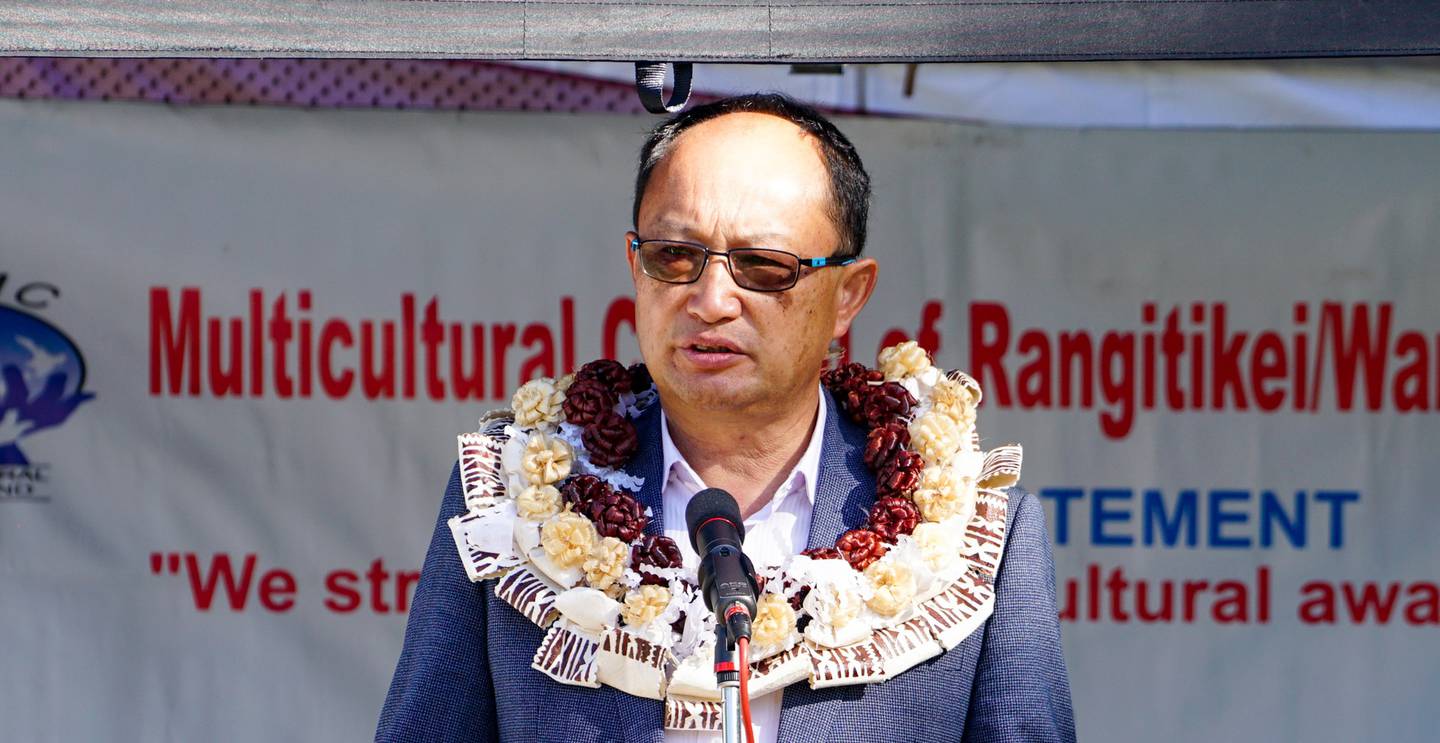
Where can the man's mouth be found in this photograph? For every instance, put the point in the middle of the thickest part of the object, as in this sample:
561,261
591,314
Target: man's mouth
711,348
712,353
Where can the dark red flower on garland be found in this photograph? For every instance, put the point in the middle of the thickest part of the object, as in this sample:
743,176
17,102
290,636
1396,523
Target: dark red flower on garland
861,547
891,517
835,379
899,475
639,378
587,400
610,373
884,442
616,514
610,441
580,488
885,403
823,553
855,392
656,551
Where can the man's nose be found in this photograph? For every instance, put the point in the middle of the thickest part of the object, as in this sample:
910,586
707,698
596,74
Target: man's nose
715,297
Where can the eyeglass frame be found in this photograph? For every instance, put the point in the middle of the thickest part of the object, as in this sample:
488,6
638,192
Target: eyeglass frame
636,242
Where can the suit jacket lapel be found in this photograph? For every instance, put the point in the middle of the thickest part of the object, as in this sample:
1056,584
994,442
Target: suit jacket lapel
646,464
842,498
847,487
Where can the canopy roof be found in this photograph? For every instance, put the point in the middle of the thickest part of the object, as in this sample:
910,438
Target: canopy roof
724,30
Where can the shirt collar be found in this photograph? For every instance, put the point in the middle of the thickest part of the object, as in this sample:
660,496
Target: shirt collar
807,469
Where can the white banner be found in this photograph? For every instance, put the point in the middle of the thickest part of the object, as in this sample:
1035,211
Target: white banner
237,344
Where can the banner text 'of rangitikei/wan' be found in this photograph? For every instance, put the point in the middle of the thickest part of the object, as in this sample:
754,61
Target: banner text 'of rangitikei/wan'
1189,358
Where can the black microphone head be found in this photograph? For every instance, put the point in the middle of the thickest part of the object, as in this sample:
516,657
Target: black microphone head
711,503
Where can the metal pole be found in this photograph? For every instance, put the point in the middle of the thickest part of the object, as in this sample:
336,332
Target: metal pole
731,712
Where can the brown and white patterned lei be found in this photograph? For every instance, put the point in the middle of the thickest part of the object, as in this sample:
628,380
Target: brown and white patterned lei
551,514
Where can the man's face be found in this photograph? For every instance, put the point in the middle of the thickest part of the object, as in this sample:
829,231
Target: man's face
743,180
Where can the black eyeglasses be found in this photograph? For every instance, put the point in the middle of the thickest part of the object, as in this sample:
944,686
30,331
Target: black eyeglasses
756,269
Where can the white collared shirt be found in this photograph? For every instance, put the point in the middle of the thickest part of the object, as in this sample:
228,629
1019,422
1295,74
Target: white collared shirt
779,529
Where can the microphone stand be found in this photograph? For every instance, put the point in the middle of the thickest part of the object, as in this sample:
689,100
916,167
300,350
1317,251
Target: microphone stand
727,677
728,581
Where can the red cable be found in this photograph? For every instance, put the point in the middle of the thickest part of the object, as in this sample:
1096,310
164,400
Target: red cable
744,649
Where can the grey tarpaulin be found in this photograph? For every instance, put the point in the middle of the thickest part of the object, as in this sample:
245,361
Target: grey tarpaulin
724,30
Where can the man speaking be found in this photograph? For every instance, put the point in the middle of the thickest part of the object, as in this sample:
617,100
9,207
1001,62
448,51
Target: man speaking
905,586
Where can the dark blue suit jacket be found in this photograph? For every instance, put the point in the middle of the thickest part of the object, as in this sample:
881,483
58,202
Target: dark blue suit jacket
464,673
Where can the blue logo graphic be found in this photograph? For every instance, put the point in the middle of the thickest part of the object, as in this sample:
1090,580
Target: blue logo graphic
42,380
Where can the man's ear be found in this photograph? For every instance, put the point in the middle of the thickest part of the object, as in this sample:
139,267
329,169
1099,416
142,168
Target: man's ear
857,283
630,254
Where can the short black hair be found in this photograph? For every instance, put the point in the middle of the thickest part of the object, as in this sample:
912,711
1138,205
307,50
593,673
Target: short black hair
849,183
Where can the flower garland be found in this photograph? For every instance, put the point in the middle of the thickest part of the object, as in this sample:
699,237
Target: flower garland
552,515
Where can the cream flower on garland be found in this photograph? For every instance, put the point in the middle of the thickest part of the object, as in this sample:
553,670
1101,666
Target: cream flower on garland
943,493
606,564
563,384
538,502
936,436
568,539
894,586
937,546
903,360
774,621
643,604
538,404
546,460
951,397
833,606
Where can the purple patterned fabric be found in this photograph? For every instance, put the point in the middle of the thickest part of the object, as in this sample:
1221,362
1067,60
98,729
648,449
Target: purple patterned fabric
465,649
450,85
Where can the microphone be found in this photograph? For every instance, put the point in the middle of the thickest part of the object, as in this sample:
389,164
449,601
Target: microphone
727,579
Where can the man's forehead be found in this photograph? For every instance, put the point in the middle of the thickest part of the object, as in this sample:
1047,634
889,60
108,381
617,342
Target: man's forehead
742,136
677,227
